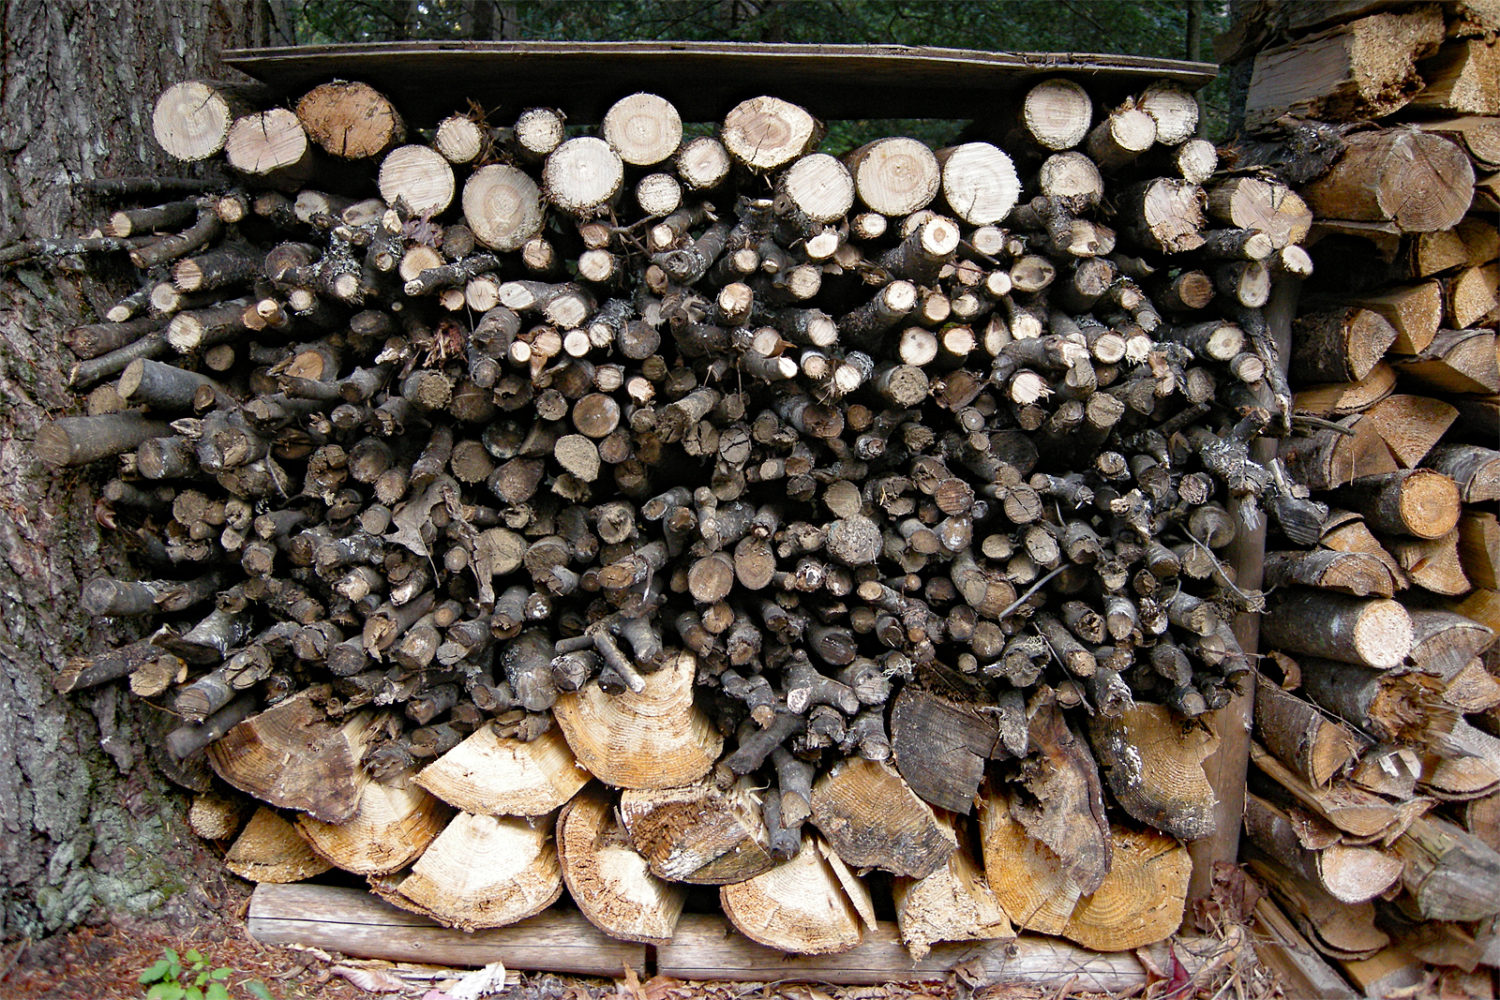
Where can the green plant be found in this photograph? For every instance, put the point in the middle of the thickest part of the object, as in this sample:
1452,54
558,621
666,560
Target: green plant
192,977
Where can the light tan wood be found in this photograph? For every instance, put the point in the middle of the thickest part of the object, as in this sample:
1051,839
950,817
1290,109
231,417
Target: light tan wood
269,144
1353,810
644,129
392,827
611,883
292,756
1469,768
816,189
1416,311
954,903
354,922
1057,113
1262,205
895,176
796,907
874,820
764,133
582,176
418,177
495,776
1385,974
1470,295
269,850
1411,425
979,182
1463,77
1480,135
1340,930
1153,761
1029,882
1173,108
1350,874
481,871
1141,900
1338,399
216,817
191,119
1434,564
459,138
1479,548
1355,536
703,163
655,739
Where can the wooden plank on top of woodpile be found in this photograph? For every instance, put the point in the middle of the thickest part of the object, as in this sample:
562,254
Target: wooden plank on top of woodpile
356,923
583,78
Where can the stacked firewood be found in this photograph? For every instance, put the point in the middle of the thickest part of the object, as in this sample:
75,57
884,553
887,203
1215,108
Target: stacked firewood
1378,767
779,492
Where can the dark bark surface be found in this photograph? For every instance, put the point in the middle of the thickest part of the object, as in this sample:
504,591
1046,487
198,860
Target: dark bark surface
86,823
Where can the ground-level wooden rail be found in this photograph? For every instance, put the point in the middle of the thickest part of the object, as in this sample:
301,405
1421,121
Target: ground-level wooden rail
356,923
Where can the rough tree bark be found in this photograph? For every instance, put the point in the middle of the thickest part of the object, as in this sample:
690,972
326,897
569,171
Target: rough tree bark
83,830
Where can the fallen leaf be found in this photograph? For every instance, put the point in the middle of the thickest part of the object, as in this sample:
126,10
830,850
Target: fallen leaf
370,980
480,983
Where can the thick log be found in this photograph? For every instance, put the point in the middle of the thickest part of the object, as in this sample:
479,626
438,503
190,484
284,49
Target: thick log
481,871
873,819
697,833
1154,766
268,850
495,776
798,907
1420,182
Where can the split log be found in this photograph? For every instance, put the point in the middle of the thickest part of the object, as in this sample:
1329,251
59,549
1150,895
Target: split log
1301,737
954,903
1030,882
941,745
269,850
1154,765
697,833
490,775
481,871
1359,813
872,819
656,738
1335,928
798,907
1365,68
609,881
1349,874
292,755
1141,900
390,829
1450,874
1420,182
1062,803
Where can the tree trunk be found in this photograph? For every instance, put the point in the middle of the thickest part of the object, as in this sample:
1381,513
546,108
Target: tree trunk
85,831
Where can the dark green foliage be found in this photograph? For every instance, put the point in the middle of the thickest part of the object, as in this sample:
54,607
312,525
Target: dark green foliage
1135,27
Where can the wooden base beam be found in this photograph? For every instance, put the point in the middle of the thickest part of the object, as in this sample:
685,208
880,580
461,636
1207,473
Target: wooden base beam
357,923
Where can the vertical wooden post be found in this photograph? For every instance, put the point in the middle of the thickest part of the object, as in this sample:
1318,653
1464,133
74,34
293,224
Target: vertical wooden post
1227,767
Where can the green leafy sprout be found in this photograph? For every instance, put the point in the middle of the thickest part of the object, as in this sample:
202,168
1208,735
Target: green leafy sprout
192,976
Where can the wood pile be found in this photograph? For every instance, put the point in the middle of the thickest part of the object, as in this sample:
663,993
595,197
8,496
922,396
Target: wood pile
629,511
1374,812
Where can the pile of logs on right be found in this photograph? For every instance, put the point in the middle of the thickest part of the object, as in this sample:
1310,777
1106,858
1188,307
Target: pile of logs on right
1374,812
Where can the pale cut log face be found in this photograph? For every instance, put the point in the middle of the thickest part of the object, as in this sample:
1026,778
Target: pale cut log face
655,739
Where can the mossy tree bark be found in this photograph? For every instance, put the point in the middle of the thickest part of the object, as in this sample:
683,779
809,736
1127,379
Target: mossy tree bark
82,832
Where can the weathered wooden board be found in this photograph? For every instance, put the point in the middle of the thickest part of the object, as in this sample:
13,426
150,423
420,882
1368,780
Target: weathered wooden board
706,947
427,80
355,922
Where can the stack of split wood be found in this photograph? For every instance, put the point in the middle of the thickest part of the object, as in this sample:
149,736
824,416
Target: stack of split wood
1378,763
620,511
